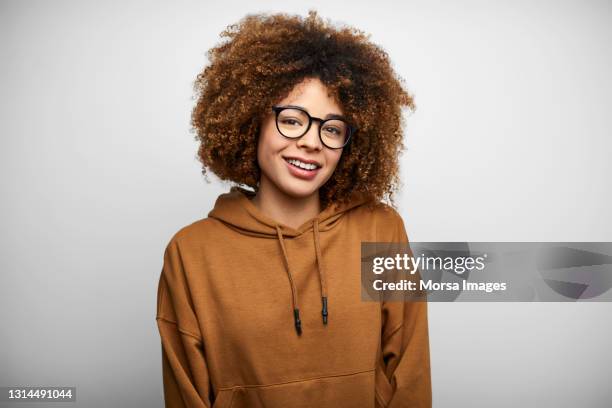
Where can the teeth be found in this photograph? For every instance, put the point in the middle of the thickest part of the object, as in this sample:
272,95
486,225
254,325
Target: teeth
305,166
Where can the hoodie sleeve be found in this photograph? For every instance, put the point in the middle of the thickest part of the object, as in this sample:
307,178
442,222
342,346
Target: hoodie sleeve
186,380
403,374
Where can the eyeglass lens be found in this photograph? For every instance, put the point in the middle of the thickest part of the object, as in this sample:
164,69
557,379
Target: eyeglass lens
294,123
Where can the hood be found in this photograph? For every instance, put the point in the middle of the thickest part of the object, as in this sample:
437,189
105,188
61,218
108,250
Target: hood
236,210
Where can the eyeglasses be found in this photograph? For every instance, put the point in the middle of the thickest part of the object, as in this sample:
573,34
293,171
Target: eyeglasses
294,122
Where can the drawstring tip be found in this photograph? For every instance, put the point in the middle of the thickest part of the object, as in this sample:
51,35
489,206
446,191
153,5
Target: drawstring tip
324,311
298,322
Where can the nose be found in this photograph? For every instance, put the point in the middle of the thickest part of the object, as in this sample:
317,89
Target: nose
311,139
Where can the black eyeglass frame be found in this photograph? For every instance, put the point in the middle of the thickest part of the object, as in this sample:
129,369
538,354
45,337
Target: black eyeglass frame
351,129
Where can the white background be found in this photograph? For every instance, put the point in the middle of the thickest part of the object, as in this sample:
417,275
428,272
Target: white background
511,141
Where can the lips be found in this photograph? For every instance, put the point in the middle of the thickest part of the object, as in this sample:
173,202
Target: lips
301,173
307,161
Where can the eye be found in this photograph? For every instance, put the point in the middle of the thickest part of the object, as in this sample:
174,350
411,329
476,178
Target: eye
290,121
333,130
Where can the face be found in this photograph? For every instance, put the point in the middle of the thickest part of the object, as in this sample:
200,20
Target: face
277,154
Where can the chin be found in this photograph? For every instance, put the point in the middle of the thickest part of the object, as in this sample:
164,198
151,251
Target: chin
295,189
299,191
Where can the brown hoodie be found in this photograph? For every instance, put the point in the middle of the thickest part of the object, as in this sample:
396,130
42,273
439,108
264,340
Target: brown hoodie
253,313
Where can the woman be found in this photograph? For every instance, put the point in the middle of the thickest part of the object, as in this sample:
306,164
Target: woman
259,303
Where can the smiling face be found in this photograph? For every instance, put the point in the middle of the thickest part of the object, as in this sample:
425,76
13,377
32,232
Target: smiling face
287,164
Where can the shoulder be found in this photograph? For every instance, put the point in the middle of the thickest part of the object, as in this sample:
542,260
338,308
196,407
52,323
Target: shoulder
388,214
381,213
389,223
380,218
195,233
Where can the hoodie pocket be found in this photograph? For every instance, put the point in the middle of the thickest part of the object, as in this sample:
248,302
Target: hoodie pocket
224,398
354,390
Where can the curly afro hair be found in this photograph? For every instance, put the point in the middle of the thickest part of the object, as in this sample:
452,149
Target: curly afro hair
262,59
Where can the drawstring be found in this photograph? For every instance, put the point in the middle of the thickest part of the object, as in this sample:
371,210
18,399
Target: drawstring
294,297
321,273
296,309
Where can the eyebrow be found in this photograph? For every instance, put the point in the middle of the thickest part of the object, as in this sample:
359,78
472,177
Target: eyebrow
328,116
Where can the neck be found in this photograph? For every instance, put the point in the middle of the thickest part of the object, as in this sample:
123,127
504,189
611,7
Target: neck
286,210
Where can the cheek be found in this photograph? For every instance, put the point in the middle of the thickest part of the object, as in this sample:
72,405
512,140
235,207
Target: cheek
332,158
266,141
270,143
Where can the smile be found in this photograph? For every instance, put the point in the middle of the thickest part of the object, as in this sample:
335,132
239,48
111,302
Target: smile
301,169
302,165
